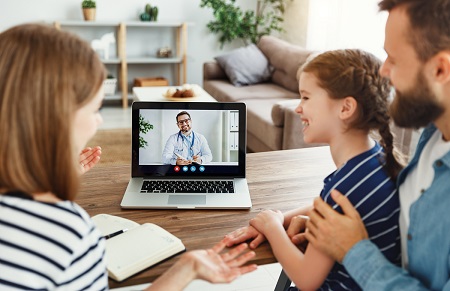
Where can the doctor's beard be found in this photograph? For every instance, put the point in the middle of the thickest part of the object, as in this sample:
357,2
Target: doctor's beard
186,130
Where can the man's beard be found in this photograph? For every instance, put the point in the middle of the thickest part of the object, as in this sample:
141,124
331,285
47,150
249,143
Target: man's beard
186,131
416,107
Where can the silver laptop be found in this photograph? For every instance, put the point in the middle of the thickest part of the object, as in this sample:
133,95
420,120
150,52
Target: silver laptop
188,155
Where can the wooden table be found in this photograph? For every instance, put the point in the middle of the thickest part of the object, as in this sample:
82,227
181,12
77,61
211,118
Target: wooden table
277,180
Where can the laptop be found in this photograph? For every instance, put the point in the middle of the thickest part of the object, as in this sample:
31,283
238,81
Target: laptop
164,172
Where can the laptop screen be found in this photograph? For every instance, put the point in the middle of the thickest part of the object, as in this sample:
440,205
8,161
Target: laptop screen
188,139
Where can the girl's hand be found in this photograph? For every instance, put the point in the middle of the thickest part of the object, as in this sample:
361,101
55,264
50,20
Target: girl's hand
267,219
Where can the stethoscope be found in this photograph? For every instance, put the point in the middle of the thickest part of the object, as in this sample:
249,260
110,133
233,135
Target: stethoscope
184,138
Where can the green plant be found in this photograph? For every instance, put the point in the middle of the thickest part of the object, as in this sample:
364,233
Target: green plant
150,13
249,26
144,127
88,4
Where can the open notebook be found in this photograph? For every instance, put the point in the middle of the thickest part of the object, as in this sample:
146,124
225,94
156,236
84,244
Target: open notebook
214,132
133,247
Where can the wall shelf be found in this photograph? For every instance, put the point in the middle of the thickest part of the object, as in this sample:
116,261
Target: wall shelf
123,60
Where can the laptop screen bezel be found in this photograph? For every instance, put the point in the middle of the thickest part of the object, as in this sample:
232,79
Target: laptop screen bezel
166,171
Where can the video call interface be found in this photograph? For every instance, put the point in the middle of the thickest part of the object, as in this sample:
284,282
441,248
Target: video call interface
198,142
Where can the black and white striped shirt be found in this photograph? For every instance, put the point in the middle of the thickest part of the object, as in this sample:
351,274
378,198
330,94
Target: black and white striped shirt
49,246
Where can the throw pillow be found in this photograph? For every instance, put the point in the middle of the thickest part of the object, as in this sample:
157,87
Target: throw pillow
245,66
285,58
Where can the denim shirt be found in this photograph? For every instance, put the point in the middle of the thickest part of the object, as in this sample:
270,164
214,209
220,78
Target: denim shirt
428,238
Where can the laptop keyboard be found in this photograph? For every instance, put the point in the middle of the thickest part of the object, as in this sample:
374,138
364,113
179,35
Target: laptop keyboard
169,186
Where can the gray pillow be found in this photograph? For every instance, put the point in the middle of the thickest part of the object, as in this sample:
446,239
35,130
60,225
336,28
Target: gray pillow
245,66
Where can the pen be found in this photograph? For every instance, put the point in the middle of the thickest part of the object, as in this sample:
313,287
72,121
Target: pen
108,236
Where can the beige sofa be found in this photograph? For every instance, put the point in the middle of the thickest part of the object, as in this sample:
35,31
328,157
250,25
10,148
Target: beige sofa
272,123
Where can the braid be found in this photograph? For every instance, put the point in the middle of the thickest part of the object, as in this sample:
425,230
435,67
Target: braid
394,161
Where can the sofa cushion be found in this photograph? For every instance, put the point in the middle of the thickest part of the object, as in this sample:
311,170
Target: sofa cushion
245,66
212,70
285,58
224,91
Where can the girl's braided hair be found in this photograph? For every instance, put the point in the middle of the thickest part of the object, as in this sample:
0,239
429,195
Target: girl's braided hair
353,72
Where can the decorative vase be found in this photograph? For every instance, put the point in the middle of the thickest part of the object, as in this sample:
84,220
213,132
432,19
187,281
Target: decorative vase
154,13
89,14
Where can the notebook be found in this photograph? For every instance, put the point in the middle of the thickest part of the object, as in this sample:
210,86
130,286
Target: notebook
193,161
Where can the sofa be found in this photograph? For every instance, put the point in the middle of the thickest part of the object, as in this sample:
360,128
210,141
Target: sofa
272,123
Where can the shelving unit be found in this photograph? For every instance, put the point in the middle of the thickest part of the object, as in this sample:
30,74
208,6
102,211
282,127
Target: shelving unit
123,59
230,143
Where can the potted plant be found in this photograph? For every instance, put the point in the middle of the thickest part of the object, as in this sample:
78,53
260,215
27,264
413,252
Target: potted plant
88,9
144,127
249,26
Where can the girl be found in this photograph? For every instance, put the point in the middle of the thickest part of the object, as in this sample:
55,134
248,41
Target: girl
343,98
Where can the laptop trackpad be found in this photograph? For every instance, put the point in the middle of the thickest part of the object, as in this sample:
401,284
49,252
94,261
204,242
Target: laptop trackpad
187,199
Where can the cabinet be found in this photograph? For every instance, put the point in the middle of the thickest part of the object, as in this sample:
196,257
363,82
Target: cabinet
137,31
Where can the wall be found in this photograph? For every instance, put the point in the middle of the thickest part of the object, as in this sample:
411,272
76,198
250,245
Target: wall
202,45
296,22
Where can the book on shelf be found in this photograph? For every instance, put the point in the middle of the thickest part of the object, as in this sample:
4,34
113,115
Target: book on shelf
138,247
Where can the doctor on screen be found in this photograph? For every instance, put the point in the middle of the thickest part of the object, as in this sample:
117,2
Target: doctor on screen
186,146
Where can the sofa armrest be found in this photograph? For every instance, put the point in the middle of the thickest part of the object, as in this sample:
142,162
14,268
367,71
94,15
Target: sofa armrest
213,71
279,110
292,131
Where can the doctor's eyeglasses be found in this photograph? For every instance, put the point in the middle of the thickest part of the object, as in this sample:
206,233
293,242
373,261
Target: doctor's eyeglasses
181,122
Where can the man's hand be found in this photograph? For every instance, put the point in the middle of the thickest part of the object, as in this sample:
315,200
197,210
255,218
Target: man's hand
182,162
243,234
197,159
89,157
334,233
296,233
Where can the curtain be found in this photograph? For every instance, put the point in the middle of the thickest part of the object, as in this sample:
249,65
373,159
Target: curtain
336,24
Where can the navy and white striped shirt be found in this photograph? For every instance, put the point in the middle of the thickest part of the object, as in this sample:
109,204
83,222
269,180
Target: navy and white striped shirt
49,246
369,188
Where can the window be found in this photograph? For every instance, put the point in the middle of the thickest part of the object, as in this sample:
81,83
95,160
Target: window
338,24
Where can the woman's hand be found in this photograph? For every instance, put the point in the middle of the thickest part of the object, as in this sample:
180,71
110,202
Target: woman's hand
243,234
89,157
214,267
210,265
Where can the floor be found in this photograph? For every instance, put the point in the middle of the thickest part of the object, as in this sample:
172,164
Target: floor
263,279
115,117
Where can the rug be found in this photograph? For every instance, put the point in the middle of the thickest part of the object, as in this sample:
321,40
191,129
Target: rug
116,146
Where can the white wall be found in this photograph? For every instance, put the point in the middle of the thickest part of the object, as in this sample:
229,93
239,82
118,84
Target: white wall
202,45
